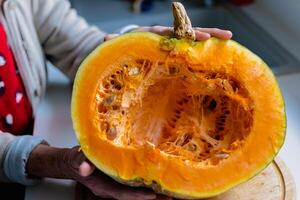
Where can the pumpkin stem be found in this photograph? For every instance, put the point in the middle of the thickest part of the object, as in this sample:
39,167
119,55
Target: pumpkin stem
182,24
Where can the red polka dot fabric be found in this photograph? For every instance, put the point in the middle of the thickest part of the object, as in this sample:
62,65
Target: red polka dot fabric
15,108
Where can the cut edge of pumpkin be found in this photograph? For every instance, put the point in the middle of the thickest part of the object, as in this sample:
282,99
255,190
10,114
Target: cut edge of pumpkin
162,189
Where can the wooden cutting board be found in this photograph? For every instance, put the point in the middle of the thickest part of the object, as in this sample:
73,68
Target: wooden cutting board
273,183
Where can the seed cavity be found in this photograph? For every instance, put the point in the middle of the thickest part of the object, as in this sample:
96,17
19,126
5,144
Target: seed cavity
180,109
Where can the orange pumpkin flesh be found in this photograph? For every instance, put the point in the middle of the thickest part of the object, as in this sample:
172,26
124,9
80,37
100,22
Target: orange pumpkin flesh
189,119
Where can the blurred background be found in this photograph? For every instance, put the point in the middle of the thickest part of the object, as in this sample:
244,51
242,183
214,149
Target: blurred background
270,28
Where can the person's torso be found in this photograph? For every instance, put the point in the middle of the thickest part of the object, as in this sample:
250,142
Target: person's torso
15,109
18,21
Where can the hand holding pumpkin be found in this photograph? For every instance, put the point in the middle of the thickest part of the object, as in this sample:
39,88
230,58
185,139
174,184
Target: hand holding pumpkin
201,33
64,163
100,184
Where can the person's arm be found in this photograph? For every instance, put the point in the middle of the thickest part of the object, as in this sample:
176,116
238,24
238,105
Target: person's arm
14,153
65,37
5,140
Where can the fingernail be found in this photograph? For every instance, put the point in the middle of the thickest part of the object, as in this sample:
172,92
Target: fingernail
229,32
86,169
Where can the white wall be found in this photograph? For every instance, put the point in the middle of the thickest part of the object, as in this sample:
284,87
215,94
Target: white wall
281,18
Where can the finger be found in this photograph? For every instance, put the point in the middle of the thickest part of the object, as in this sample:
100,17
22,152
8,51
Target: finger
110,36
161,30
75,157
86,169
134,196
134,193
201,35
163,197
168,31
104,186
216,32
77,163
142,29
82,192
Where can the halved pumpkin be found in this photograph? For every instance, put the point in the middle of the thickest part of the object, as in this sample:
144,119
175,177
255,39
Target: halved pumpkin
189,119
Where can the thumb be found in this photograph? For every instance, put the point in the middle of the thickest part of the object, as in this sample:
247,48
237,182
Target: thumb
77,163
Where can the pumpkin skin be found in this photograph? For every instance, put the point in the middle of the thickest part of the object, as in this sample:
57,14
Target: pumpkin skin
197,120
